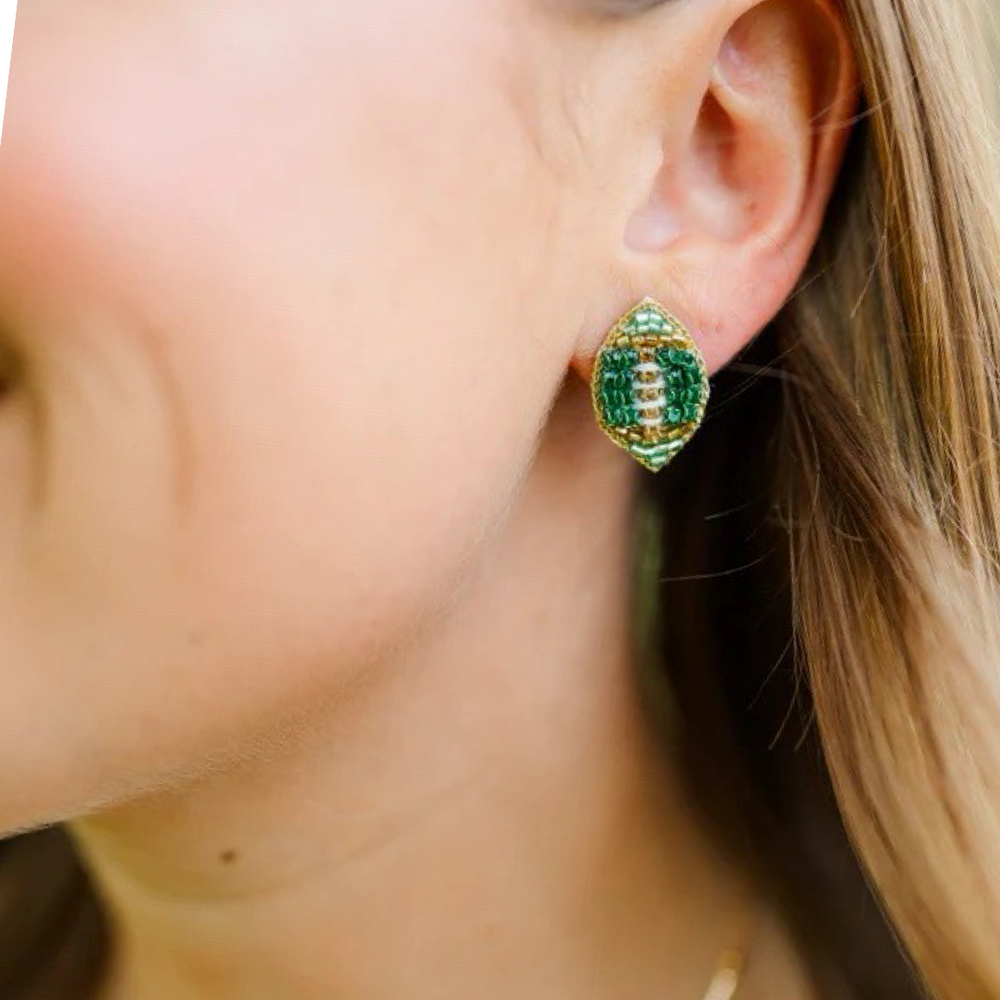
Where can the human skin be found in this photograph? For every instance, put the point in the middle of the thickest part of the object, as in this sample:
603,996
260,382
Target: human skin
313,593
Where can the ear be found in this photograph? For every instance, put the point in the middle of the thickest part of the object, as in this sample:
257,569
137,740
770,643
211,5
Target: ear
747,104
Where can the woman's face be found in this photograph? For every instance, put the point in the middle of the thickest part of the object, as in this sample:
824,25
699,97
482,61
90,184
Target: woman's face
293,284
292,287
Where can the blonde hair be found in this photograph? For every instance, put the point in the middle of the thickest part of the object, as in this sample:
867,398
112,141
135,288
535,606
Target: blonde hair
868,479
884,475
892,488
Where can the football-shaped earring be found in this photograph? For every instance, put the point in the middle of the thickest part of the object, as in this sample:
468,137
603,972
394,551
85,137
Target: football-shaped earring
649,384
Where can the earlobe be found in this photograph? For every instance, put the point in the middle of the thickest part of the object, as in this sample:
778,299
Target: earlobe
737,204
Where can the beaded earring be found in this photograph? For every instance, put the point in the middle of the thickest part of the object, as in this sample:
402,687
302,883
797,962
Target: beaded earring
649,384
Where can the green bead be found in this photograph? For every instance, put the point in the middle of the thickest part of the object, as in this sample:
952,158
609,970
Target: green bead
683,378
615,393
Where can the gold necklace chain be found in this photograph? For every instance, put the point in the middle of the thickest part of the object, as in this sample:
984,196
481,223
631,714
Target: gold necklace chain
728,973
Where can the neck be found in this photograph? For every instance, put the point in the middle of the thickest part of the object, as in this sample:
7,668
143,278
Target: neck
491,813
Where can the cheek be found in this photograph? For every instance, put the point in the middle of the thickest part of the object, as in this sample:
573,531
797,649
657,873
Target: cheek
284,381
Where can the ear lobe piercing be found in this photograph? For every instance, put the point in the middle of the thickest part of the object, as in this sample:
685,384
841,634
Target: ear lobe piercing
649,384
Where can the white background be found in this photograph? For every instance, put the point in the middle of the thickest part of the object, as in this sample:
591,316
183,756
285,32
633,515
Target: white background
8,10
